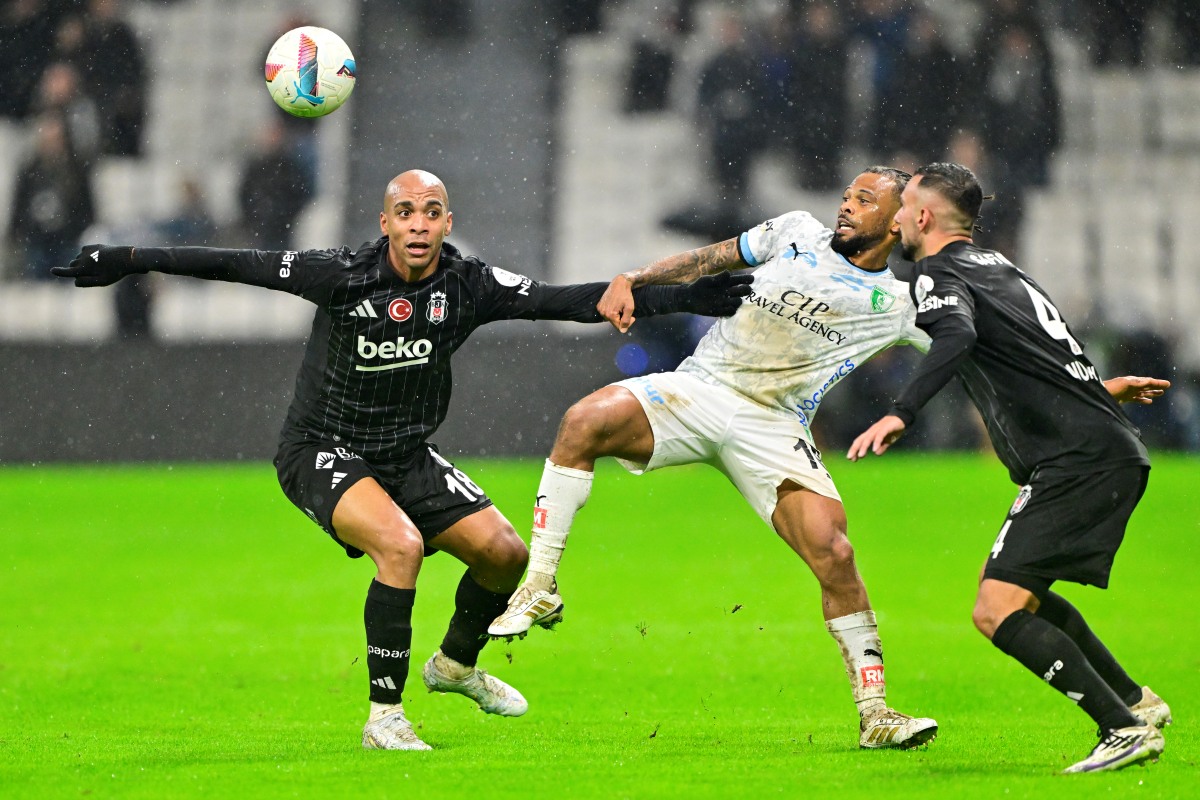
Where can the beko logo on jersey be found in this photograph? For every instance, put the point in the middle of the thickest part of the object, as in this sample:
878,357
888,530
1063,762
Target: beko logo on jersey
289,259
933,303
414,351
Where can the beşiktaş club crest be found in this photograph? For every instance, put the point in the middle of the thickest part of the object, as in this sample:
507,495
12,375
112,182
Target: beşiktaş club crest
1021,501
438,308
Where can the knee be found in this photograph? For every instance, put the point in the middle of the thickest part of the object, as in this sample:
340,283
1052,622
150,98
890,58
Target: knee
834,559
582,427
509,555
399,550
986,617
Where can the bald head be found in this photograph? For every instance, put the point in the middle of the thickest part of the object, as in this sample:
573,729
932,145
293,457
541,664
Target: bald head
415,183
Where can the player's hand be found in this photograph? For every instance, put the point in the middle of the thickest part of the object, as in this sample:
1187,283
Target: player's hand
616,304
718,295
877,438
98,265
1132,389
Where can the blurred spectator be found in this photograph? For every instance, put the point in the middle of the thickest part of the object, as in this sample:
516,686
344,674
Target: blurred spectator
882,25
1185,22
191,224
60,92
1020,109
26,40
929,86
109,58
116,76
817,97
729,98
651,66
52,203
274,190
1117,31
1000,218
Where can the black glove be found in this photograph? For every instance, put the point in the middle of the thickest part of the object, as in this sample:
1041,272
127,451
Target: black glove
98,265
718,295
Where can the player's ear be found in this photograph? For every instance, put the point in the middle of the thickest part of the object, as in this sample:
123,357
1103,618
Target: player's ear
449,221
383,223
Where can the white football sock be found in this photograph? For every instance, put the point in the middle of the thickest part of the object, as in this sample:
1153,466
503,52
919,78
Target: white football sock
562,492
857,636
380,710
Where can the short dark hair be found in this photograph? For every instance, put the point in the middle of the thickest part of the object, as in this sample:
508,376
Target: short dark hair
957,184
898,177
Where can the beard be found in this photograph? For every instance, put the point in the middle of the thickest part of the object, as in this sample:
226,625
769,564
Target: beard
850,246
909,251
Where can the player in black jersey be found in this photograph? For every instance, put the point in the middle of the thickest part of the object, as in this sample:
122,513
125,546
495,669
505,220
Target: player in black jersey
374,385
1057,427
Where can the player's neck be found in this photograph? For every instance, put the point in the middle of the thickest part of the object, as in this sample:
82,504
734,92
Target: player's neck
412,274
936,242
873,260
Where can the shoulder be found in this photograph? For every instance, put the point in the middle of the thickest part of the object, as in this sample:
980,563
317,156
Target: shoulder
795,223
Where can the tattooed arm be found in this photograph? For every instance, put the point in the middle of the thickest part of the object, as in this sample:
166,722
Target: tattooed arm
616,305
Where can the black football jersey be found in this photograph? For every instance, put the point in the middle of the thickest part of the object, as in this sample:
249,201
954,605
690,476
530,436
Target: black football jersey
1044,403
376,371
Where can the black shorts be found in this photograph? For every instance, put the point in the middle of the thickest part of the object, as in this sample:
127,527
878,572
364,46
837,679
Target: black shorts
1066,528
428,488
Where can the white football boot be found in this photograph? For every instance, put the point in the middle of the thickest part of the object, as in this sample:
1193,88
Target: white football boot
493,695
1152,710
526,608
890,728
391,731
1120,748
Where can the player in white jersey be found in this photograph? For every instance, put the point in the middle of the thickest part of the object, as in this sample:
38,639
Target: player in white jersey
822,302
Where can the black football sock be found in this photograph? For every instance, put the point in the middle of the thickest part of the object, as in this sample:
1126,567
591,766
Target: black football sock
388,618
1051,655
1056,610
474,609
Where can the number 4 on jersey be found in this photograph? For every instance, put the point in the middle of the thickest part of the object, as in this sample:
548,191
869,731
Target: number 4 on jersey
1051,320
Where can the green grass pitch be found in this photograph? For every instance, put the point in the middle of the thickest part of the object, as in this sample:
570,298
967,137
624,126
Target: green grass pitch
183,632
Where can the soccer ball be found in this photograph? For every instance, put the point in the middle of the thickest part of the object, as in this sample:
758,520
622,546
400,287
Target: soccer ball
310,72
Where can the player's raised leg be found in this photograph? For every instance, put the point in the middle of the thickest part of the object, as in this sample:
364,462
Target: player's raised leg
368,519
814,526
608,422
495,557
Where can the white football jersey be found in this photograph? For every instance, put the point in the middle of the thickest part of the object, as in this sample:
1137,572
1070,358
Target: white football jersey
811,319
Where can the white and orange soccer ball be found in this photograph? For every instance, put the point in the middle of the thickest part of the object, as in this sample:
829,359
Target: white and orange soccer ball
310,71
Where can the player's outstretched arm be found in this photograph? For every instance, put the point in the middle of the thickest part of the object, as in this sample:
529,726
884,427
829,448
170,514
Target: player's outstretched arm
1133,389
617,303
877,438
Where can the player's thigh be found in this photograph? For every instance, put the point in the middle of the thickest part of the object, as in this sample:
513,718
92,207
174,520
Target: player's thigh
813,525
686,417
763,453
367,518
608,422
316,475
486,542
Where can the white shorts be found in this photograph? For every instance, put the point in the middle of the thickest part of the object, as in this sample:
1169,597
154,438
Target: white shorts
698,423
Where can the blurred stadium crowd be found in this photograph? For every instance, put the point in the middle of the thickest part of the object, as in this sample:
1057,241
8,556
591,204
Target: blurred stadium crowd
1081,116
